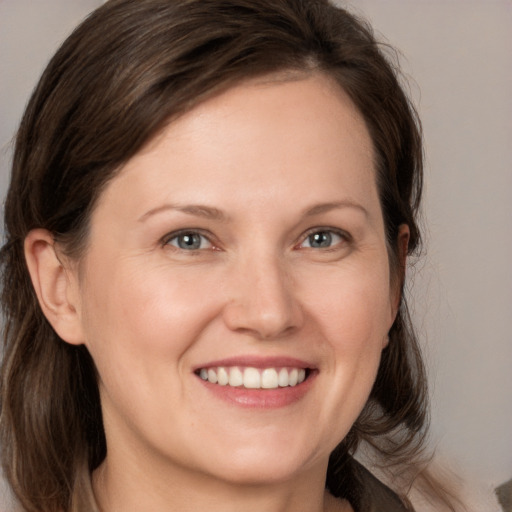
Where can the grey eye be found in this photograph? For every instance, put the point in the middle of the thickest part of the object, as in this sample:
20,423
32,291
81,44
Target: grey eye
189,241
322,239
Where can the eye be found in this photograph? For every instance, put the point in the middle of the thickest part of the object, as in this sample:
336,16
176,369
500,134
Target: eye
189,241
323,239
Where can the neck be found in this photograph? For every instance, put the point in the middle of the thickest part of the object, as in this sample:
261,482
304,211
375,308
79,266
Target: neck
134,488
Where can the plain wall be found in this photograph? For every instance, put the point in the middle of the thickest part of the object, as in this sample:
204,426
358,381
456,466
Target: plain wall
459,54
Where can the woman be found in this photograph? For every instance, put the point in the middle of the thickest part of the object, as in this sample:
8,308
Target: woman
211,206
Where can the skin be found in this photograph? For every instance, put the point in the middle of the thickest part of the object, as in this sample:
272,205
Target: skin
272,161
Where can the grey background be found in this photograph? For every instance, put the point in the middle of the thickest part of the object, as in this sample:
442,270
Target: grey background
459,53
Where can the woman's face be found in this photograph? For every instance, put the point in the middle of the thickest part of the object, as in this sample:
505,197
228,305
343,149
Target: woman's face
244,245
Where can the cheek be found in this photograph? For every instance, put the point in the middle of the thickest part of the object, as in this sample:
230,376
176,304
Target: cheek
144,312
353,315
357,329
138,329
352,303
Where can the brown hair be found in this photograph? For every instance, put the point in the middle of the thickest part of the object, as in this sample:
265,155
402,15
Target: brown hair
130,68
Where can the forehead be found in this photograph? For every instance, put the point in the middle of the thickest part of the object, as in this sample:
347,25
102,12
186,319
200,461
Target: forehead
270,134
311,93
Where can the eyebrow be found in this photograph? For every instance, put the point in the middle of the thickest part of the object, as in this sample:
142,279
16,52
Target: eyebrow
327,207
198,210
209,212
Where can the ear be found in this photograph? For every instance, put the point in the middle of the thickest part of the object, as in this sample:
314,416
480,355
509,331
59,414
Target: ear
55,284
397,279
402,247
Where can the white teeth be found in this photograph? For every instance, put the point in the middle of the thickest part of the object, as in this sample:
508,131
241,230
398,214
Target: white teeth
235,377
254,378
212,376
283,378
269,379
222,376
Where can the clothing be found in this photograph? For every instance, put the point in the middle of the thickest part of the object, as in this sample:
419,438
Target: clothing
373,495
504,493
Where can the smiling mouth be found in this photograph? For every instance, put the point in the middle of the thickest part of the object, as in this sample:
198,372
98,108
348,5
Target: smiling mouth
254,378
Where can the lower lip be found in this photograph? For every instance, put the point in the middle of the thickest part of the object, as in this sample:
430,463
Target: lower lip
261,398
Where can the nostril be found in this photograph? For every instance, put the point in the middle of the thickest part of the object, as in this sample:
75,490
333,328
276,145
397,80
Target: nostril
265,325
262,301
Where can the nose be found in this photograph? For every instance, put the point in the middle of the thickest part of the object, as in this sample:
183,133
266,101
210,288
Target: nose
262,300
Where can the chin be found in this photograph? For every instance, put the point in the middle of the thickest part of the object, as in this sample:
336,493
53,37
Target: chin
264,465
251,473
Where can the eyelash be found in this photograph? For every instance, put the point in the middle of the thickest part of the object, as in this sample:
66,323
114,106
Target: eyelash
344,236
190,232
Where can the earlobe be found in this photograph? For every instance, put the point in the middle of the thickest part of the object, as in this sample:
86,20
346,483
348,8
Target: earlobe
54,284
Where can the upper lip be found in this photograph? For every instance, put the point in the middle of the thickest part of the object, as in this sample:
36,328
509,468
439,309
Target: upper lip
258,362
